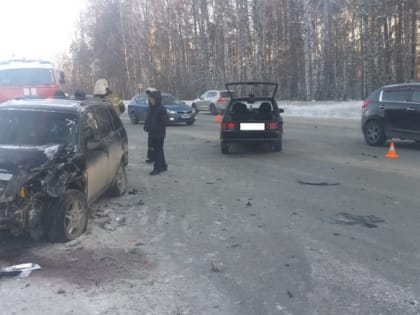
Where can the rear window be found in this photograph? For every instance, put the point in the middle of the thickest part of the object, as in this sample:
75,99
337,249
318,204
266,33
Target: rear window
226,94
17,77
374,96
395,95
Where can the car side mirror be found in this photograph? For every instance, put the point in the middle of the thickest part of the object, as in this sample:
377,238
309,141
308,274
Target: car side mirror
281,110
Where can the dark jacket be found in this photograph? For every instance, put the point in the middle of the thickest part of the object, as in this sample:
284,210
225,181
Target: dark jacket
157,118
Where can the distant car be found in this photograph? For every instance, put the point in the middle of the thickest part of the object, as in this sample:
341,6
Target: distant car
252,117
56,158
393,111
178,111
214,101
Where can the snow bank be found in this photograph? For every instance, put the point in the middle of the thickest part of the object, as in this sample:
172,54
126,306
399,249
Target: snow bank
318,109
322,109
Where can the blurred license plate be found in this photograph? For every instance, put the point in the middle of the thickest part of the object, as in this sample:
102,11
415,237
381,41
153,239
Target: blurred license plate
186,116
252,126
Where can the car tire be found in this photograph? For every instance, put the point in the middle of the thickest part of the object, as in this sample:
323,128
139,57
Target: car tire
213,109
278,146
119,186
194,109
374,133
134,120
68,217
189,123
224,148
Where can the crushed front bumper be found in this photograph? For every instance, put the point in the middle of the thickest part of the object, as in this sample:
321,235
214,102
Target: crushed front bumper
21,214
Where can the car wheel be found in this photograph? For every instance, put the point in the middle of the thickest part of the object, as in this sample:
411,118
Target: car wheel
213,109
134,120
69,216
278,146
374,133
194,109
190,122
224,148
119,187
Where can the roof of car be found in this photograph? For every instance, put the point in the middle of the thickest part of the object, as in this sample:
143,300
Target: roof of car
52,104
416,84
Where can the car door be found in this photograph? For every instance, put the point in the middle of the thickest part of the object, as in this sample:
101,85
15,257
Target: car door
116,143
107,135
414,109
97,160
394,102
205,100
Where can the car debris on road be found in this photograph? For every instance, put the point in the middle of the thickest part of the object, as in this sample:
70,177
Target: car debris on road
19,271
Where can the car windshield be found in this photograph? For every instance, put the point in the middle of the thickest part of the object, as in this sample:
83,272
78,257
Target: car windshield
18,77
36,127
252,89
170,100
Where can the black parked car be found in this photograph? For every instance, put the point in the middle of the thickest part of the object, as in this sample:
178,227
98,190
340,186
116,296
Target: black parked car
252,116
392,111
56,158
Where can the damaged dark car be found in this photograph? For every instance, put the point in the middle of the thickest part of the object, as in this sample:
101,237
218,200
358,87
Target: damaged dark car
56,158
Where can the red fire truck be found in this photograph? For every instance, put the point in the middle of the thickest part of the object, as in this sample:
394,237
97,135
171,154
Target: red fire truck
28,78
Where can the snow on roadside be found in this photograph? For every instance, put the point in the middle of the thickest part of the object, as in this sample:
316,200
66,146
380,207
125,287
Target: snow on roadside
322,109
318,109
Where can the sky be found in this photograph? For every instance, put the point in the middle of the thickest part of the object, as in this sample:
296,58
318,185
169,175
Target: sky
37,29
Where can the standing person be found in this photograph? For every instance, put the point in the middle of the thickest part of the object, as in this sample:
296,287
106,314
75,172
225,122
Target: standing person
103,91
150,149
155,125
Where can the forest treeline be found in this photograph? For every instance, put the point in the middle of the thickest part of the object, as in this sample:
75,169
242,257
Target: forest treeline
314,49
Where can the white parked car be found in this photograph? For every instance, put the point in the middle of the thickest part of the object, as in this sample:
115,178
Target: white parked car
214,101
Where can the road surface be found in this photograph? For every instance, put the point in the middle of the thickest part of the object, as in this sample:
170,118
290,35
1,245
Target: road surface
328,226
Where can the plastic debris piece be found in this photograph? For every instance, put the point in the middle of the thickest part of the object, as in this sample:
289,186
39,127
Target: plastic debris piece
19,271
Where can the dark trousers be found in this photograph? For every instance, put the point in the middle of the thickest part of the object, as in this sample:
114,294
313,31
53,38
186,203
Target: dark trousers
150,149
159,155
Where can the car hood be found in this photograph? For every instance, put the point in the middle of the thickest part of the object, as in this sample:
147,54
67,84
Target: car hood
180,107
14,158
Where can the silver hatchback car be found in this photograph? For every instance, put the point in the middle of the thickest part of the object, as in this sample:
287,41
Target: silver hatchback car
214,101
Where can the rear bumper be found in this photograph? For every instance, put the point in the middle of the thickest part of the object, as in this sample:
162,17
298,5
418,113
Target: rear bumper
273,136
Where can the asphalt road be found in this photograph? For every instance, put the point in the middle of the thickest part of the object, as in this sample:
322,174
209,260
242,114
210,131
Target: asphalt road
348,246
328,226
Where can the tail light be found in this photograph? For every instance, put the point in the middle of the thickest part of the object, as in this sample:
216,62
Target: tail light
221,100
365,104
273,125
229,125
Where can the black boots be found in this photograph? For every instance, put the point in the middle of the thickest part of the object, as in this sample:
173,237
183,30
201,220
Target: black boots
154,172
158,171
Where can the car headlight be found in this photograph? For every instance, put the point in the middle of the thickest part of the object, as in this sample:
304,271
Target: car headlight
171,111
